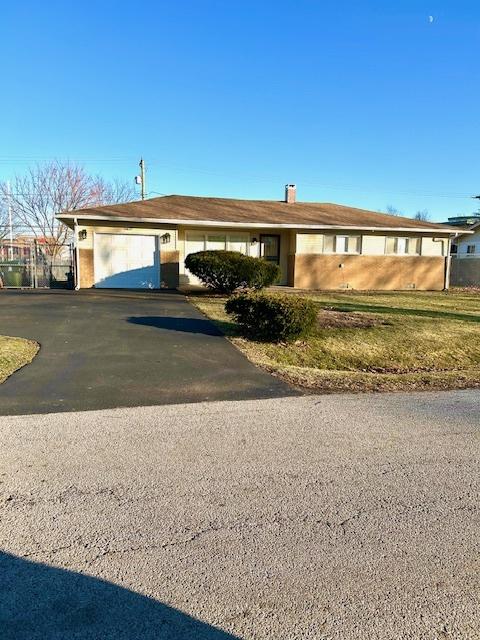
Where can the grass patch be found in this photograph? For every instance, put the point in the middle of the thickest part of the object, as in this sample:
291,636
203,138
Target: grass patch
373,341
14,354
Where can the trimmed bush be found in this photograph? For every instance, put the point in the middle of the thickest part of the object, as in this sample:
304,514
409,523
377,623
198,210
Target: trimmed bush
227,271
272,317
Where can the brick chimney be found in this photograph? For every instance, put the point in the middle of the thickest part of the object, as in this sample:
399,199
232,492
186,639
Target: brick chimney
290,193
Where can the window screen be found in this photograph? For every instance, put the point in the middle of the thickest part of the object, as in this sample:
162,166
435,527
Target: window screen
403,246
328,244
353,244
195,242
390,245
347,244
341,245
413,246
238,243
216,242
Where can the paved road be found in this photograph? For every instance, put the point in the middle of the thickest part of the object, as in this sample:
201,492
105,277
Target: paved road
342,517
102,349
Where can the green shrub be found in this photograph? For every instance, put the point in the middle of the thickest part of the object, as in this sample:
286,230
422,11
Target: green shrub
272,317
227,271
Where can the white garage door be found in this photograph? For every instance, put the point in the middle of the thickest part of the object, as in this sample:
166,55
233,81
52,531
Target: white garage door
124,261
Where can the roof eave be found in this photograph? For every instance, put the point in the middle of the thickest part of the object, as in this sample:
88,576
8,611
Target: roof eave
255,225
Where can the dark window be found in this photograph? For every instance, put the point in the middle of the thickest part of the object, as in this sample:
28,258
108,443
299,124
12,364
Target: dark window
270,247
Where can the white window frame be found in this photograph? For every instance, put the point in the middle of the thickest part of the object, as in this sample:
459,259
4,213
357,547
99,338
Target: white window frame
401,246
216,235
236,235
227,235
406,240
347,236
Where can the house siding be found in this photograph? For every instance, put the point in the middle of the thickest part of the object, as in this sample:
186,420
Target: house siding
302,259
372,244
169,254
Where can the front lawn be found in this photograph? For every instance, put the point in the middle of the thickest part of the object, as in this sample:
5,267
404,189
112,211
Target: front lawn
14,354
384,341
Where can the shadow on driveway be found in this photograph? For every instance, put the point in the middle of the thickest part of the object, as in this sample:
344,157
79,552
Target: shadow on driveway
188,325
39,602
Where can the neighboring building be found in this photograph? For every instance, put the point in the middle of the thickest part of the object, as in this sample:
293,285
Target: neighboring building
318,246
465,270
465,221
20,249
24,246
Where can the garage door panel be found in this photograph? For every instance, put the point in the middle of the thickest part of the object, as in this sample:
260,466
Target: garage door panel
126,261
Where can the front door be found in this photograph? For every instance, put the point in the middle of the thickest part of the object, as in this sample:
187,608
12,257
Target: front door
270,247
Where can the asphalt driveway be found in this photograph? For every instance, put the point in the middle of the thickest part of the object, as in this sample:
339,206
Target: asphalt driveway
104,349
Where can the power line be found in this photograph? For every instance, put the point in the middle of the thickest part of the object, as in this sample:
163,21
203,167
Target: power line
21,159
257,177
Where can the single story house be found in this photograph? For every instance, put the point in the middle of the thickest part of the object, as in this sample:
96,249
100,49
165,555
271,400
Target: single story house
466,256
318,246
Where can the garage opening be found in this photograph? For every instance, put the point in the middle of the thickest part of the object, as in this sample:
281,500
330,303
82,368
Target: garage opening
126,261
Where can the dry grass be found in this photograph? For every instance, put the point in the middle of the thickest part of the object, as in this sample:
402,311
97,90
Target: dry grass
374,341
14,354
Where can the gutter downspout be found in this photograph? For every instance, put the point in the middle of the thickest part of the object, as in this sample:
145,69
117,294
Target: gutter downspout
77,254
448,266
448,258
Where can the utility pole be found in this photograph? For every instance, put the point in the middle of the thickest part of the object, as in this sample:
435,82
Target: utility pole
142,177
10,225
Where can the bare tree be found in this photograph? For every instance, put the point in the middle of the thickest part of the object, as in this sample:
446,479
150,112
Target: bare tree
392,211
4,219
46,190
423,215
116,191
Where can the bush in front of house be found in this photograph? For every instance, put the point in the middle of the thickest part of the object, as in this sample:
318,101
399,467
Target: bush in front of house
272,317
227,271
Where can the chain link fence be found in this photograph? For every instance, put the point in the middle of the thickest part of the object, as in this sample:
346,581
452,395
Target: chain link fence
26,264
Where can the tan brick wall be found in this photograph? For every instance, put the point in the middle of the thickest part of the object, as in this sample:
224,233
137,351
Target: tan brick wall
465,272
368,272
291,271
86,268
169,269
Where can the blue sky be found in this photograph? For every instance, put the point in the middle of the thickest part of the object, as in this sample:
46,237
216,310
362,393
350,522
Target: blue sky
363,103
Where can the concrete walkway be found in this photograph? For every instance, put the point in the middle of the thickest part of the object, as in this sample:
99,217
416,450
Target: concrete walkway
103,349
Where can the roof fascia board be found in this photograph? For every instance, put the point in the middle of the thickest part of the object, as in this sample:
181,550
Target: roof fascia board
256,225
